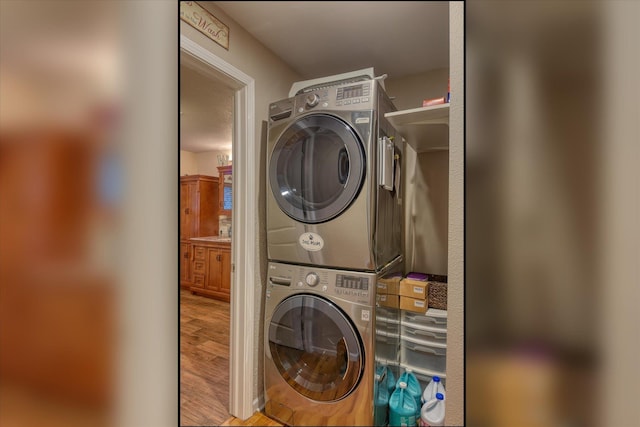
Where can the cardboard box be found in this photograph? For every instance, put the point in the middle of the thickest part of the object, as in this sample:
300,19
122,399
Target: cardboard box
391,301
388,286
433,101
413,288
414,304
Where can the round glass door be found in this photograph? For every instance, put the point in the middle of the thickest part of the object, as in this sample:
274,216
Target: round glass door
317,168
315,348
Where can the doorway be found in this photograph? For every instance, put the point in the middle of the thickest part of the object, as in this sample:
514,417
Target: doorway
206,136
242,399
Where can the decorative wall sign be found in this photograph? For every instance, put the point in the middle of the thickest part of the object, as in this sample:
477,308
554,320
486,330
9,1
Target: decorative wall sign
193,14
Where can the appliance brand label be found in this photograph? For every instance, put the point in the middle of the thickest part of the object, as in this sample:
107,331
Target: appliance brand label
311,242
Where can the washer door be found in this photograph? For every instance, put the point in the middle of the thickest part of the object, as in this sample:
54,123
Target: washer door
317,168
315,348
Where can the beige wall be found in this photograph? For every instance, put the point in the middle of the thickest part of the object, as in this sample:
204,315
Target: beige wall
434,208
273,78
426,177
188,165
207,162
455,297
410,91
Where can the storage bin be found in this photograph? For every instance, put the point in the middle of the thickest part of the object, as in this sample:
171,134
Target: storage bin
388,312
387,345
423,354
433,318
390,326
425,333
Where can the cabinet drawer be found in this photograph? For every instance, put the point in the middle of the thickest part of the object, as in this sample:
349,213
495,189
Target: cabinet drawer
198,280
199,266
199,252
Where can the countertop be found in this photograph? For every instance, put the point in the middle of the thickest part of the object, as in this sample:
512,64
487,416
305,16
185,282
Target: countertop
212,239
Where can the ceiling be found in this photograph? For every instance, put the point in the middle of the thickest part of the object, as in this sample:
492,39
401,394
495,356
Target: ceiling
206,112
317,39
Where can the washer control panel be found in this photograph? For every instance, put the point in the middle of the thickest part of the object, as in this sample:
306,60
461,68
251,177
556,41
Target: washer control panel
349,285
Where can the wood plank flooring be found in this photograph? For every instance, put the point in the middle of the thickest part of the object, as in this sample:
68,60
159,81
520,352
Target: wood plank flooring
204,360
257,419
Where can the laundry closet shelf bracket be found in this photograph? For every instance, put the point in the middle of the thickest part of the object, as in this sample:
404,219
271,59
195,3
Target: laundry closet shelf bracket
424,129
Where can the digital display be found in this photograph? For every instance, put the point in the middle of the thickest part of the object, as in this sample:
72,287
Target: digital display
353,91
351,282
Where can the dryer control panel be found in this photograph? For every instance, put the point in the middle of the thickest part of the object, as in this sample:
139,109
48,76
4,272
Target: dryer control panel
347,97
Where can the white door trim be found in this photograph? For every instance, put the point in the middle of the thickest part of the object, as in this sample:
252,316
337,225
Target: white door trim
241,361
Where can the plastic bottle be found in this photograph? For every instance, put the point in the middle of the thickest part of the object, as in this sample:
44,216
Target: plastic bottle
402,407
432,412
413,388
434,386
391,380
381,407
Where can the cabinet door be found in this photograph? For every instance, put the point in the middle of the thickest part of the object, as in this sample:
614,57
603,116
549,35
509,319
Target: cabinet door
185,264
213,270
225,271
188,209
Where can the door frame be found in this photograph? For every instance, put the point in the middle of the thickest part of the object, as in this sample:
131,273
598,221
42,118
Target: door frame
243,263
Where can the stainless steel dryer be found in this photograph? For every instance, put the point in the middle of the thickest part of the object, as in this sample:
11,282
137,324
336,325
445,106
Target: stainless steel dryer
333,166
320,344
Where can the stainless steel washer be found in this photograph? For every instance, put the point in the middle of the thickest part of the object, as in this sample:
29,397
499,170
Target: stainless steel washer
320,344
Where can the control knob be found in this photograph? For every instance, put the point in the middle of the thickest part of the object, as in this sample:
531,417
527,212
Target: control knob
312,279
312,99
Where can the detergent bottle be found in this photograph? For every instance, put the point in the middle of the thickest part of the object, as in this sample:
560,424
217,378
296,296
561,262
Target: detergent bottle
402,407
381,403
413,387
434,386
432,412
391,380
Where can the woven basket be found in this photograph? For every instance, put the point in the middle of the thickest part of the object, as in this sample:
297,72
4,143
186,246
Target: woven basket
437,295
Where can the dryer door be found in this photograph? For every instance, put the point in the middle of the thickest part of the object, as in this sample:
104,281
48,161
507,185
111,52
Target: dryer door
317,168
316,348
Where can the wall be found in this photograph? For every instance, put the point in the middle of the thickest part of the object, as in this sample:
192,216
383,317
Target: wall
208,163
188,164
455,297
410,91
435,183
273,78
426,177
205,163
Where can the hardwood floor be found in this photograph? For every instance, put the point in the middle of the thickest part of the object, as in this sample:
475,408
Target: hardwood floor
257,419
204,360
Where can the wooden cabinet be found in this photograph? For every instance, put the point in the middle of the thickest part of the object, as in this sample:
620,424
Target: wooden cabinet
198,217
211,269
198,206
185,264
225,181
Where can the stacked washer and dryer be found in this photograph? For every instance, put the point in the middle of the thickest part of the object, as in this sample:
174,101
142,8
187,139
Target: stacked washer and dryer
334,227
